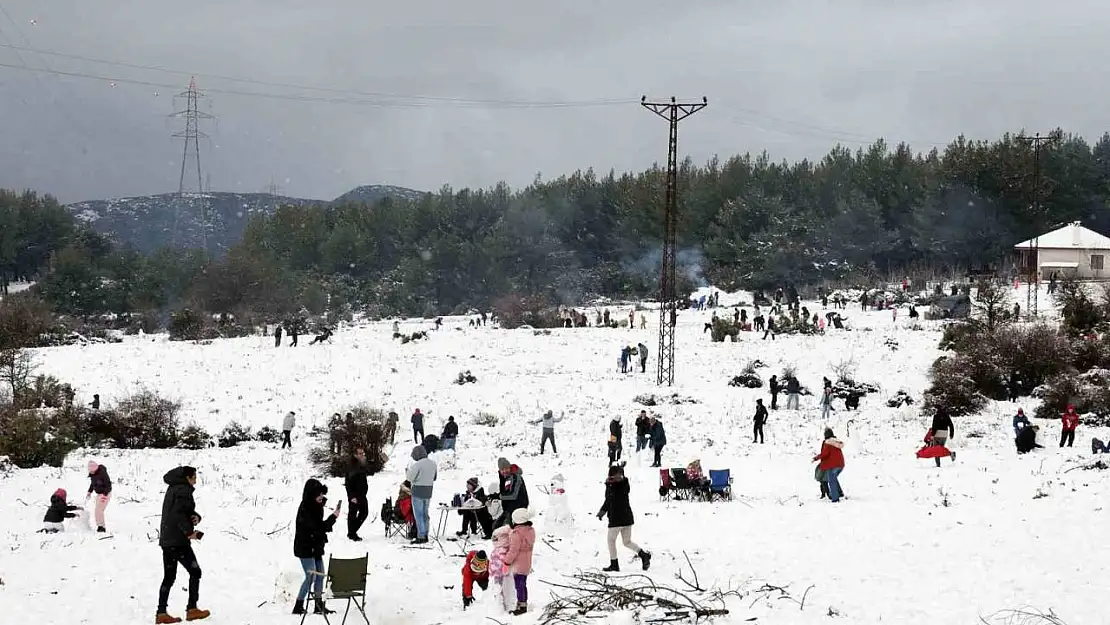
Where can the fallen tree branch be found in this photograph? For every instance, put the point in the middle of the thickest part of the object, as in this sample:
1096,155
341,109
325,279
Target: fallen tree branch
695,585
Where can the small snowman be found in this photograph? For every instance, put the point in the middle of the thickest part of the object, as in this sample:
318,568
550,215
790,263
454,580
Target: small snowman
559,518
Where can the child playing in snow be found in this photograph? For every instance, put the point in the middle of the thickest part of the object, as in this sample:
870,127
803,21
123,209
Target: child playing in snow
498,570
519,557
475,571
58,512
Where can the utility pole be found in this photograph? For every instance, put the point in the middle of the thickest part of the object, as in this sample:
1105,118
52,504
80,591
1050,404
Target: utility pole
192,135
673,112
1034,283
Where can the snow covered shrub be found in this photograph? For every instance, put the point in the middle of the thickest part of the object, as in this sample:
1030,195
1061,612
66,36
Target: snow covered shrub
331,454
144,420
46,391
187,325
487,419
746,380
953,387
267,434
1089,392
34,438
901,398
233,434
465,377
1079,314
194,437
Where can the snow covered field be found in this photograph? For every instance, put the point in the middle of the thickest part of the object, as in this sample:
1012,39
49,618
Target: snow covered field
911,543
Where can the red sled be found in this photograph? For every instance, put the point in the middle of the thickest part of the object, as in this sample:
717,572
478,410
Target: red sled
933,451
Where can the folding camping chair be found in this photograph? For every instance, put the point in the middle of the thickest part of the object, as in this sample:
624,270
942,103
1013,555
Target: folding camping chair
682,485
720,483
347,580
395,523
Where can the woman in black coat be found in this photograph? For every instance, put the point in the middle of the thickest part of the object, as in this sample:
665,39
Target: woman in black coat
309,541
619,510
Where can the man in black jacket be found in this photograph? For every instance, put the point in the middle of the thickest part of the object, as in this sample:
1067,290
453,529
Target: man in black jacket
178,528
450,433
759,419
356,494
643,429
614,440
513,492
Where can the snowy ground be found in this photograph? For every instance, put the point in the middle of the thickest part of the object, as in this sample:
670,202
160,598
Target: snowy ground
1015,531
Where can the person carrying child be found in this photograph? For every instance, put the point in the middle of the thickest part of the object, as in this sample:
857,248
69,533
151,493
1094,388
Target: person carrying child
522,539
475,571
58,512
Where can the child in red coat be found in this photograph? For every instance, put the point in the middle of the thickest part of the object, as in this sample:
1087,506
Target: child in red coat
1069,420
475,571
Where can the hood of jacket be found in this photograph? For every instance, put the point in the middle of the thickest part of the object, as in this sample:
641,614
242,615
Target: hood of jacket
312,488
176,477
419,453
835,442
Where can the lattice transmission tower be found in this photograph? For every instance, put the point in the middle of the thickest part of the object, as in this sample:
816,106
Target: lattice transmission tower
674,112
192,134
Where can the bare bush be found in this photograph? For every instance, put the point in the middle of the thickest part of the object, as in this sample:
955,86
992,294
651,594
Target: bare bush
362,429
487,419
16,368
46,391
845,370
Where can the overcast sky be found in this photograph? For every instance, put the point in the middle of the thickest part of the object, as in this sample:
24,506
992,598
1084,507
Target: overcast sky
789,77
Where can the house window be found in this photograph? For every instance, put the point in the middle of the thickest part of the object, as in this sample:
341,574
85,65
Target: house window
1096,261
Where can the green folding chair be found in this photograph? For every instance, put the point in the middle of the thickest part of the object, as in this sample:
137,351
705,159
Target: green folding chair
347,580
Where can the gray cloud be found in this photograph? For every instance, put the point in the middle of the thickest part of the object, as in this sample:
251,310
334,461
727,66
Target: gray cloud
791,77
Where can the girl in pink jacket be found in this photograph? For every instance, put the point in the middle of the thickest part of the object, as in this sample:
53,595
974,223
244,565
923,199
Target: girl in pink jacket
519,557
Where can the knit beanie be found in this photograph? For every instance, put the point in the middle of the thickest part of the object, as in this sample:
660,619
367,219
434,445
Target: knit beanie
503,464
480,562
61,492
472,483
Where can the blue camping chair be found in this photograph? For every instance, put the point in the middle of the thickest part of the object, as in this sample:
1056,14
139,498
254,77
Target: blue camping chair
720,483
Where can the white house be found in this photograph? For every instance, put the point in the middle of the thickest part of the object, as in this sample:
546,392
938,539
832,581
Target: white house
1069,251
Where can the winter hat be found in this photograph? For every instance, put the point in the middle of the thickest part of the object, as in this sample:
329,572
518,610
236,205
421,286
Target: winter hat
419,453
472,483
503,464
61,492
480,562
93,466
1021,412
829,433
521,516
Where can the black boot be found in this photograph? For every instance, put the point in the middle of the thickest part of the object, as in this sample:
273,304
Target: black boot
613,567
521,608
321,608
298,607
645,558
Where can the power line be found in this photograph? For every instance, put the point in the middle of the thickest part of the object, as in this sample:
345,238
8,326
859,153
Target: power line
383,99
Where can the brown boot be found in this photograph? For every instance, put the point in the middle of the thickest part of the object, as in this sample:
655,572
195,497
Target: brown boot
196,614
162,618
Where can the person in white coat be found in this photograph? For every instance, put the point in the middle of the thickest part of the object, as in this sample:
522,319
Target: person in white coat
287,425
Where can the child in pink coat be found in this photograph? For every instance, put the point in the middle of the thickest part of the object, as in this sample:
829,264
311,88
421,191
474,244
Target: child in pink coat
519,556
498,570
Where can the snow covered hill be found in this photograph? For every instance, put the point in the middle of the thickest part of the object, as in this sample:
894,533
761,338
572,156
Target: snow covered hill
911,543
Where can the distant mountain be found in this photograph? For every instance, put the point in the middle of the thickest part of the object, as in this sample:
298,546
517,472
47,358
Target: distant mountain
148,222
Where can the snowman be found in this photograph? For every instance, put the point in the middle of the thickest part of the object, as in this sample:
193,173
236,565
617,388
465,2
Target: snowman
560,519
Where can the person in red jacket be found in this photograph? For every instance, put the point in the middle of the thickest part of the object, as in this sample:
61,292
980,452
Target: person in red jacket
474,571
1069,420
832,463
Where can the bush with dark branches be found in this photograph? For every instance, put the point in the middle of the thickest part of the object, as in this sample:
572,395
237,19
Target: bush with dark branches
333,450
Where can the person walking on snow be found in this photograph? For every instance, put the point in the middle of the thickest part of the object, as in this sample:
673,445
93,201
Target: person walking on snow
759,419
519,557
475,571
357,488
1020,422
287,425
100,485
310,536
826,400
658,440
831,464
417,426
619,511
450,433
773,384
176,531
942,427
548,420
615,440
643,431
422,474
642,352
1068,421
277,336
58,512
793,392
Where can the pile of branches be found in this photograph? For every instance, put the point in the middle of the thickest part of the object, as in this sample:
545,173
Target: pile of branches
586,596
